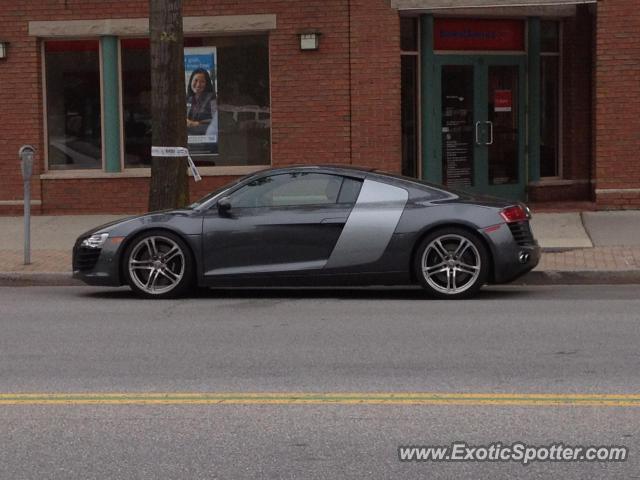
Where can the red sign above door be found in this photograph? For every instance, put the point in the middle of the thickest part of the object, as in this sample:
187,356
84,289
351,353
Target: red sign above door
465,34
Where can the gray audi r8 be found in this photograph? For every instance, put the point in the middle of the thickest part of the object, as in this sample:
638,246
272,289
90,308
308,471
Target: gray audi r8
315,226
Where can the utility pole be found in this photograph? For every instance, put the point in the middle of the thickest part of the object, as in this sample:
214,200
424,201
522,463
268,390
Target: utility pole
169,187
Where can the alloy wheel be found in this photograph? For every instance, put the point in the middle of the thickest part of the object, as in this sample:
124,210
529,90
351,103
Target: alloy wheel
451,264
156,265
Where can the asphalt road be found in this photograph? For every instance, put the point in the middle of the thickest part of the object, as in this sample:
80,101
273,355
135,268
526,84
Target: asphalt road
513,340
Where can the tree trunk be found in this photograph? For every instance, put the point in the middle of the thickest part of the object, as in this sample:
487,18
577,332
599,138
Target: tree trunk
169,181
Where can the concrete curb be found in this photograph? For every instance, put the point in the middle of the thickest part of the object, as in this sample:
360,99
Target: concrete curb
562,249
38,279
586,277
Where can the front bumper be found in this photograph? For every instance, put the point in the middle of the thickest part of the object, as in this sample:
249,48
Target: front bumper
97,266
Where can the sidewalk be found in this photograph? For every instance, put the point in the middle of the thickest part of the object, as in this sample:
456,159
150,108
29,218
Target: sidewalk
587,247
52,238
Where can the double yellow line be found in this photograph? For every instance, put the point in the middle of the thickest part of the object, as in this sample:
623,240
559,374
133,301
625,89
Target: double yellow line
334,398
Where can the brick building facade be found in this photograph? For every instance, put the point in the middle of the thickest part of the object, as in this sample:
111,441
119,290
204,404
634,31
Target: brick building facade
616,165
362,98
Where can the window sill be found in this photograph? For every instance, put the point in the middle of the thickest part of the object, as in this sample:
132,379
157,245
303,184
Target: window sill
556,182
146,172
86,174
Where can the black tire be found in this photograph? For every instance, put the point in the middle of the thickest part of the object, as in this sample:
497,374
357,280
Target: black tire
440,269
167,274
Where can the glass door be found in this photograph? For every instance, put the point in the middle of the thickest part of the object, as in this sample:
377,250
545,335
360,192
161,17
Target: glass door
459,113
482,123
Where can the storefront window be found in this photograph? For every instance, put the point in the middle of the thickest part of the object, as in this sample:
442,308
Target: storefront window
457,126
409,115
550,36
228,110
550,86
73,104
409,34
136,102
409,95
550,100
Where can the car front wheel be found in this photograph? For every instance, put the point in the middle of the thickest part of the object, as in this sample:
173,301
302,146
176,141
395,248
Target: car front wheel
451,263
158,265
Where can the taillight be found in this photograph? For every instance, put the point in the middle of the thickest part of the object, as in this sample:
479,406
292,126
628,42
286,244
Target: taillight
516,213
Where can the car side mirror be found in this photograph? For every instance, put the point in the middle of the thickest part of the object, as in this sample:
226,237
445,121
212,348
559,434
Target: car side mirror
224,205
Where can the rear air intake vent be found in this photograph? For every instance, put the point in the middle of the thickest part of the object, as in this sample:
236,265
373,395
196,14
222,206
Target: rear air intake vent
521,232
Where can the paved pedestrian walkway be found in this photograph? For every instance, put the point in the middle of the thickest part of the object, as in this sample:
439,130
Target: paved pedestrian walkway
560,231
52,239
605,242
45,260
592,259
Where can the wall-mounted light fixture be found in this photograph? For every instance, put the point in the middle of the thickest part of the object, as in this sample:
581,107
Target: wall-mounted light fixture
309,40
3,49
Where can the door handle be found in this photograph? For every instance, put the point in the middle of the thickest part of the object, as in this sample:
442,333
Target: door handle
490,133
478,133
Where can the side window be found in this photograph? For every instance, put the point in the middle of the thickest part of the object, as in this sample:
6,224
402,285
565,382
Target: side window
350,190
290,189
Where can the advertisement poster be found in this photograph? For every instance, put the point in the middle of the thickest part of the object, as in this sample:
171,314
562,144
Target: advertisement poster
202,105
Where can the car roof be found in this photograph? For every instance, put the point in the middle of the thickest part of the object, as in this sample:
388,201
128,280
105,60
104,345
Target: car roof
327,167
350,170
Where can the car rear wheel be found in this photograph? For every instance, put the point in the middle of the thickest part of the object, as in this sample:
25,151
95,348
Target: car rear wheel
158,265
452,263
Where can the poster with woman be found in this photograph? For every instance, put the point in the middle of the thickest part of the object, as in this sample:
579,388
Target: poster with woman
202,109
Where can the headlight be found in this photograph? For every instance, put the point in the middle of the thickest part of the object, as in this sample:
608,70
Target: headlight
95,240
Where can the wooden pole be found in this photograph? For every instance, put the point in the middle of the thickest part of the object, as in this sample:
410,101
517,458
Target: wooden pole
169,187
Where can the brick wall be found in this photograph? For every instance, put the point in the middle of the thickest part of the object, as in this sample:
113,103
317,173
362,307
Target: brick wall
577,95
375,60
340,104
617,141
316,116
20,105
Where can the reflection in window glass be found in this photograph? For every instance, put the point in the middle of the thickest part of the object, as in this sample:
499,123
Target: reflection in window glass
504,129
73,105
243,102
136,102
289,190
457,126
550,108
409,99
244,111
409,34
349,191
550,33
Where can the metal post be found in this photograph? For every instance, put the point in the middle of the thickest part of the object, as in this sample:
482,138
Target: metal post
26,153
27,222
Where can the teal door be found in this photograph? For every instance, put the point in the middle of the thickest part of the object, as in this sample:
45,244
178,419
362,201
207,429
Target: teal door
479,113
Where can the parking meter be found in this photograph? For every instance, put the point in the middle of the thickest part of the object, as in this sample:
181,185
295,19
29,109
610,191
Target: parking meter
26,154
